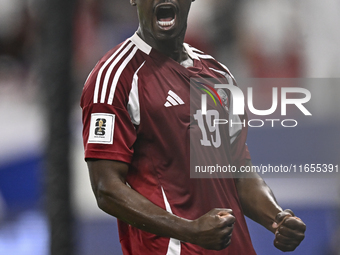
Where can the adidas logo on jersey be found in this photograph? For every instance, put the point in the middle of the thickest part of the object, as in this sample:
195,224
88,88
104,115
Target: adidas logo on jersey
173,99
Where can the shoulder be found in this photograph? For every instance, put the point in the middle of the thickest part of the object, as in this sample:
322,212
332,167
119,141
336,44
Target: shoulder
114,72
208,60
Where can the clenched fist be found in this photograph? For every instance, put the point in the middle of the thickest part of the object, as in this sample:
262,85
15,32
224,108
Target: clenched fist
213,230
290,231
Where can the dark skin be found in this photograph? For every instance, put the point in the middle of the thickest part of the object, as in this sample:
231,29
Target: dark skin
214,229
259,204
168,40
211,231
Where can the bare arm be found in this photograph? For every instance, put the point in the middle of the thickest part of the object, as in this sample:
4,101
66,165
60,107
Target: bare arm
257,200
259,204
211,231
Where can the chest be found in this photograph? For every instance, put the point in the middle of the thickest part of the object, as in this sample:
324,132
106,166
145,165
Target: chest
173,103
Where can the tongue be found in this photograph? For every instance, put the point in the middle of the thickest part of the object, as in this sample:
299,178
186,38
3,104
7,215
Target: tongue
165,19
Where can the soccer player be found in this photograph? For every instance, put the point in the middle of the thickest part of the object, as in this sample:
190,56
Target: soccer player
138,96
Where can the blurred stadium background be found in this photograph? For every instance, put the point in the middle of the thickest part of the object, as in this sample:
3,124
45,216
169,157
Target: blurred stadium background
261,39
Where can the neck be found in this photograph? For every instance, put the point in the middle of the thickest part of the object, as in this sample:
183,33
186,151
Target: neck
172,48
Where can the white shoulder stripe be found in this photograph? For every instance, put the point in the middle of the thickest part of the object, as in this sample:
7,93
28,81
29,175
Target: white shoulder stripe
197,50
190,52
118,73
109,71
226,68
204,56
228,76
96,90
200,53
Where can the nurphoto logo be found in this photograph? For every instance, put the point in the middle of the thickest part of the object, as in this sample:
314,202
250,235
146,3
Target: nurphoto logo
238,105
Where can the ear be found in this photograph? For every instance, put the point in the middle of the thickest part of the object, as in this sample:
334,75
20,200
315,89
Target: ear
133,2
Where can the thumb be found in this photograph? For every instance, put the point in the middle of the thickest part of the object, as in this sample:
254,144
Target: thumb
281,216
227,216
225,213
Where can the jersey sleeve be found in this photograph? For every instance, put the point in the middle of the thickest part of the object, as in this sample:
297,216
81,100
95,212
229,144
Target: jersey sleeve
108,131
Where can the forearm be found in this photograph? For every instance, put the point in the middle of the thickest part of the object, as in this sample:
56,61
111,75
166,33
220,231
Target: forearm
210,231
257,200
259,204
117,199
129,206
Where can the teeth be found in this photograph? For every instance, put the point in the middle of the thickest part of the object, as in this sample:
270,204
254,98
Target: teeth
166,23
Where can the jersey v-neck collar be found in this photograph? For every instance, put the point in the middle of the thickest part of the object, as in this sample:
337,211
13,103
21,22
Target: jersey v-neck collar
148,50
143,46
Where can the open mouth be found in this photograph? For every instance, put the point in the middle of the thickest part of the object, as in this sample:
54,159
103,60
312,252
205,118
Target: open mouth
166,15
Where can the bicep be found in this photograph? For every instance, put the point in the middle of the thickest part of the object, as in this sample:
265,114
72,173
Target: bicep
105,174
246,172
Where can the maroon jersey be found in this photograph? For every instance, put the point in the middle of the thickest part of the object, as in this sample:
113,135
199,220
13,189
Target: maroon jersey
136,109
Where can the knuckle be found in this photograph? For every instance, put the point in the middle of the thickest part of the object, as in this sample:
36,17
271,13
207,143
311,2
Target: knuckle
227,232
301,237
284,247
279,238
230,211
289,211
231,219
